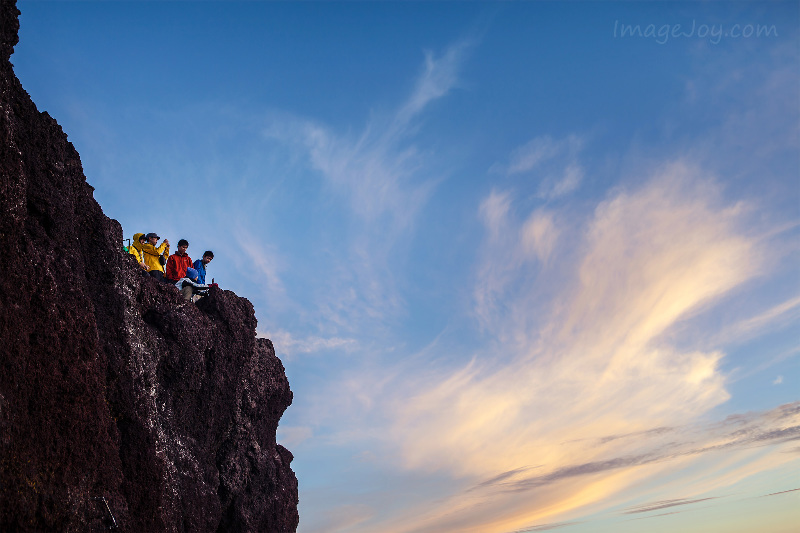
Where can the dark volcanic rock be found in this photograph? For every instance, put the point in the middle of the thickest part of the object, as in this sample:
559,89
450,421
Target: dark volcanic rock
111,385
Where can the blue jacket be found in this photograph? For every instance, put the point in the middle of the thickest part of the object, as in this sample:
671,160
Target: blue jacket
201,271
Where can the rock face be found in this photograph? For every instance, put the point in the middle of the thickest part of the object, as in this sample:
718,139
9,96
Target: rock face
114,390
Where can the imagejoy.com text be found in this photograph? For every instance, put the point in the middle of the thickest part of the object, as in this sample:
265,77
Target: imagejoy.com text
714,33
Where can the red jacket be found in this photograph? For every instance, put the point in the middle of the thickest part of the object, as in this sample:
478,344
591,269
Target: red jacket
176,266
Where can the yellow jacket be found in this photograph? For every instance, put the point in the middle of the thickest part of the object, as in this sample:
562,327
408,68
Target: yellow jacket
135,248
151,255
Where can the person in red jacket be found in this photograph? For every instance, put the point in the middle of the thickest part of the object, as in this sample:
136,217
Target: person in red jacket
178,263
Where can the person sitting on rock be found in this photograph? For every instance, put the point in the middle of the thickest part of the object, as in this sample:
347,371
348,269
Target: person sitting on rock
189,286
155,257
200,266
178,263
135,249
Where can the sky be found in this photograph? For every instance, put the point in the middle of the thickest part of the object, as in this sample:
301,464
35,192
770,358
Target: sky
530,266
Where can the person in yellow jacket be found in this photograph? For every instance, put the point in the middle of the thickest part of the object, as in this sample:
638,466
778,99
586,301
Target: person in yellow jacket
135,249
154,255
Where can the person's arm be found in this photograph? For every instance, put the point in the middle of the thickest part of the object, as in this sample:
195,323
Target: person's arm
201,270
138,255
163,249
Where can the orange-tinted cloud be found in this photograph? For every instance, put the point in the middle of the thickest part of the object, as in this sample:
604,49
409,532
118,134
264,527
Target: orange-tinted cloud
590,397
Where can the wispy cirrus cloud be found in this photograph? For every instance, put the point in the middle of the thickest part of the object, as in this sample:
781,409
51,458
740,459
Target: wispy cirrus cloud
380,170
781,492
587,395
512,247
288,345
264,263
384,180
555,163
294,435
704,454
638,275
546,527
777,315
439,76
774,427
341,519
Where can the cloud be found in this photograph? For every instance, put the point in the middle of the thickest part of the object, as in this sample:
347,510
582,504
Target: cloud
540,150
539,235
494,210
439,76
501,477
781,492
704,456
573,175
264,263
375,172
380,169
287,345
774,427
638,434
508,249
385,181
665,504
341,518
291,436
776,316
554,162
587,394
546,527
778,380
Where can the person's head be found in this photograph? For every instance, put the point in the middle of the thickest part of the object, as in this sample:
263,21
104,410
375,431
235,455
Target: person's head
142,239
191,274
208,255
152,238
183,245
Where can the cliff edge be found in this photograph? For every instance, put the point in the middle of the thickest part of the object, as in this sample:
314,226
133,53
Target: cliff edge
117,397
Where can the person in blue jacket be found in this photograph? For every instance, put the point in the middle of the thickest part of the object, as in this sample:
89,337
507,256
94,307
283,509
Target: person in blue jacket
189,286
200,266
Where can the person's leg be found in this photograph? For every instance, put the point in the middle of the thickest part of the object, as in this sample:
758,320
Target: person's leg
157,274
187,291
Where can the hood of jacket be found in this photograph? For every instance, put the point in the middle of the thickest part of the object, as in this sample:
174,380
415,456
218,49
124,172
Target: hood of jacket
135,240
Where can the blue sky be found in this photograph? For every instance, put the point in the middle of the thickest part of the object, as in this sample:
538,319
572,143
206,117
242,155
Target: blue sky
529,266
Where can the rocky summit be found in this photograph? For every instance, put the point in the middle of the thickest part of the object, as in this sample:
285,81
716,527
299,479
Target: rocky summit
122,406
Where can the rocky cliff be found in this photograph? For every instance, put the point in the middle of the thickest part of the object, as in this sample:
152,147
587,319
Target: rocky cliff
117,397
